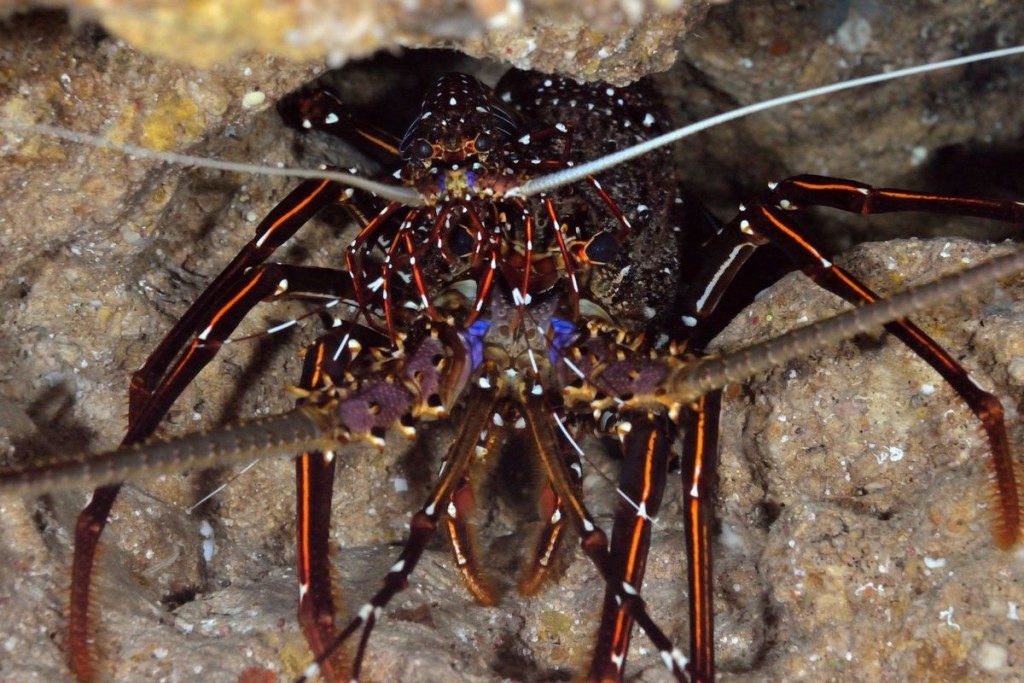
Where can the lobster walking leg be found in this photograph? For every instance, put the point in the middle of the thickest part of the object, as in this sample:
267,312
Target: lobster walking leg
770,223
699,472
314,486
765,222
641,486
218,318
287,217
297,208
458,523
552,510
593,540
422,527
853,197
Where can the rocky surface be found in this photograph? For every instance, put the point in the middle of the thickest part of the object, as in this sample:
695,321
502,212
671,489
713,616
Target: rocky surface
872,542
615,40
839,555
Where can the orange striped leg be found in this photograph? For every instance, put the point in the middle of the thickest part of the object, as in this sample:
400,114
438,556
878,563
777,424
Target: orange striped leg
458,520
848,195
770,223
700,460
553,532
88,528
323,110
641,487
481,405
292,213
144,414
593,540
314,484
215,325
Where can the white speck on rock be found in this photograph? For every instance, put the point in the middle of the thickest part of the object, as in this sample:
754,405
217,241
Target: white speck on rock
991,657
854,34
253,99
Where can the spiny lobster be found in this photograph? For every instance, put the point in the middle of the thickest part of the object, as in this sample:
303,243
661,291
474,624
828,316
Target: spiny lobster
479,301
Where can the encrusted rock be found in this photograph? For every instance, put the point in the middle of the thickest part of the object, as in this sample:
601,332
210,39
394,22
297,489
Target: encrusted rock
852,532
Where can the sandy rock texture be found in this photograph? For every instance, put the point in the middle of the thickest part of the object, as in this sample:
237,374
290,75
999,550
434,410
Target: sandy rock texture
615,40
877,558
854,530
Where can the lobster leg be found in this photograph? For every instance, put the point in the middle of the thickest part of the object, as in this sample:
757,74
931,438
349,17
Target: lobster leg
424,523
461,533
261,283
552,511
853,197
314,483
593,540
765,222
699,471
458,523
287,217
148,411
642,486
770,223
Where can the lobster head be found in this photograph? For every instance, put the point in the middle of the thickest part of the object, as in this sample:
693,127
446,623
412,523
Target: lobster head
458,146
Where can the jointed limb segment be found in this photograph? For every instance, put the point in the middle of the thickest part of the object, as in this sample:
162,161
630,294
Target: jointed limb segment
770,223
593,540
641,485
767,221
214,326
314,486
152,390
91,521
421,529
853,197
287,217
699,470
555,522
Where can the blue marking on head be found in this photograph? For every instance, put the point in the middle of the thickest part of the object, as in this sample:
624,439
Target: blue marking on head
563,337
475,335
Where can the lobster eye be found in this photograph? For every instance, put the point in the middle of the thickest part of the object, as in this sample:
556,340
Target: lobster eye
484,142
421,149
602,248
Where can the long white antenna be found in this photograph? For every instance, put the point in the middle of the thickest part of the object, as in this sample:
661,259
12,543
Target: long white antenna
403,195
571,175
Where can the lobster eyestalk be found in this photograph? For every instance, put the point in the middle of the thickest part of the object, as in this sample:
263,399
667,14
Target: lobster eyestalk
304,428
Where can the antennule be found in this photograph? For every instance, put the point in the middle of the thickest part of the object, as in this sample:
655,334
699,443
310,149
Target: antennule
692,380
403,195
564,177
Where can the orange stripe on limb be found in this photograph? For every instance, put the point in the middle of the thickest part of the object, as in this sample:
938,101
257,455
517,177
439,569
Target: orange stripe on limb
234,300
304,521
294,210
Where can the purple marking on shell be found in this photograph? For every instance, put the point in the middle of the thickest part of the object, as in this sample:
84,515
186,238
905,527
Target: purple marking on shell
420,366
617,379
393,401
